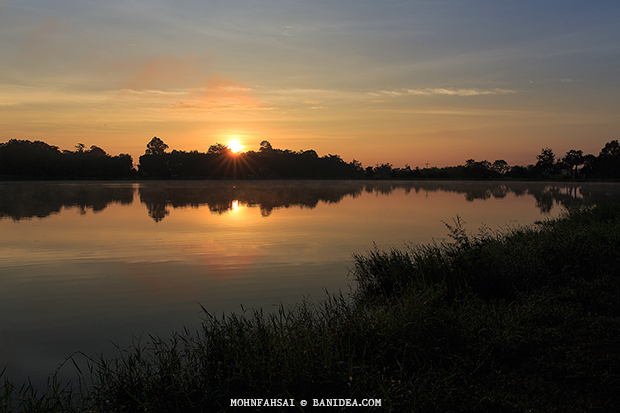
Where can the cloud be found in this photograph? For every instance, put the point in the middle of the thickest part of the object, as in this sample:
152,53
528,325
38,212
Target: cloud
177,92
224,92
182,83
221,93
444,91
165,71
212,106
285,30
314,97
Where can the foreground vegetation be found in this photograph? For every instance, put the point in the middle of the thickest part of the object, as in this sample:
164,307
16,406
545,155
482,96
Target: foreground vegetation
527,319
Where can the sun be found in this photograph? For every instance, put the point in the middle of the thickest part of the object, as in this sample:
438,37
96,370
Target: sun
235,146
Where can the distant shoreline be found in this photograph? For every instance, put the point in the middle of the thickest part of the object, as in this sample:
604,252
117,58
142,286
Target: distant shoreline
21,158
172,179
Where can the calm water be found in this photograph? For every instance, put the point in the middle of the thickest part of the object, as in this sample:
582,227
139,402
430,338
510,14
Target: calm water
83,265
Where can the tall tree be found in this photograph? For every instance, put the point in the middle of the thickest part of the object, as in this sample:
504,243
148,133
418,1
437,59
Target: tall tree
546,160
219,149
573,159
607,163
95,150
500,166
611,148
155,147
265,146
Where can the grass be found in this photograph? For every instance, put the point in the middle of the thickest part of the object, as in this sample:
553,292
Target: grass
526,319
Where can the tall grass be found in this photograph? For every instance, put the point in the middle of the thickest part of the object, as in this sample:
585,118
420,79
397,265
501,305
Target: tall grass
526,319
497,264
307,351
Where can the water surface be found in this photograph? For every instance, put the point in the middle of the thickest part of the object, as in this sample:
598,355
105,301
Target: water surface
85,264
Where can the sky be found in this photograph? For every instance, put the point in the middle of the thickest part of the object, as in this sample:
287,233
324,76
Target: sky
403,82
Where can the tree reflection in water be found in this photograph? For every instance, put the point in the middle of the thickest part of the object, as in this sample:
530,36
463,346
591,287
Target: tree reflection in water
24,200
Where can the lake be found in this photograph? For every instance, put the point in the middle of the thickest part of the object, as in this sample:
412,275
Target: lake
84,265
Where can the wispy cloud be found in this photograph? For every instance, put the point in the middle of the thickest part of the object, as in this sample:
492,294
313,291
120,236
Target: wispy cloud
213,106
163,71
176,92
221,93
179,83
444,91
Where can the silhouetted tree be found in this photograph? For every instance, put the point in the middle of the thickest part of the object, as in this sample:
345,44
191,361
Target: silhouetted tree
383,171
500,166
518,172
40,160
155,147
611,148
607,164
572,160
97,151
478,169
546,161
219,149
589,165
357,168
265,146
26,158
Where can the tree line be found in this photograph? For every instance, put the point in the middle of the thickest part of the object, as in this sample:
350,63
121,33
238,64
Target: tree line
573,165
219,162
23,158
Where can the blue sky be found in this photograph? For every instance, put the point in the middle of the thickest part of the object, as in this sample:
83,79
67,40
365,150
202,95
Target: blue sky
406,82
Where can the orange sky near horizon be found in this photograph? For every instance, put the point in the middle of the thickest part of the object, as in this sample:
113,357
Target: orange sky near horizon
397,82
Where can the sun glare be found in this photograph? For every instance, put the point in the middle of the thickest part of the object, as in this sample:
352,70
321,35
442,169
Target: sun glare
235,146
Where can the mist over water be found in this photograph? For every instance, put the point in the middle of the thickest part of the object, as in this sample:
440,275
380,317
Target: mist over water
85,264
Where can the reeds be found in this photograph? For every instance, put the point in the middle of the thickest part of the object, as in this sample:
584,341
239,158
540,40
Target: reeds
514,320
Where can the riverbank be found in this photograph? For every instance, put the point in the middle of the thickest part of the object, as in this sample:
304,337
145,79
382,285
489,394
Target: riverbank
525,319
